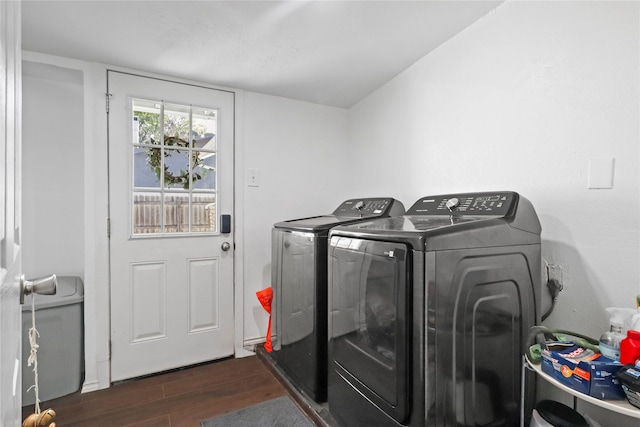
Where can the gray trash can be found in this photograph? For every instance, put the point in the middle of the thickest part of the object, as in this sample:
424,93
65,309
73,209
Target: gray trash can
554,414
59,321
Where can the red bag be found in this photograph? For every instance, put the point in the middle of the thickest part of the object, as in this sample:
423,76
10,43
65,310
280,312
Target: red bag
265,297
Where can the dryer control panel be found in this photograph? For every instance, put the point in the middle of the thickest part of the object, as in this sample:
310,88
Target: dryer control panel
360,208
491,204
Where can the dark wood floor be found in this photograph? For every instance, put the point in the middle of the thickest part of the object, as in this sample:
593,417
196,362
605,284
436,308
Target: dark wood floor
178,398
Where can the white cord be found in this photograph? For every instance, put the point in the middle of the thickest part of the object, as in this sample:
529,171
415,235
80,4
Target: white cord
33,357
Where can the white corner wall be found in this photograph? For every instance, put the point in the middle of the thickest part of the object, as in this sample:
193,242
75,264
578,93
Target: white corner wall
523,100
299,150
65,190
53,168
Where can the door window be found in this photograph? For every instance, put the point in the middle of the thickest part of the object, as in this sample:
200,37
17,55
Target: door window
174,188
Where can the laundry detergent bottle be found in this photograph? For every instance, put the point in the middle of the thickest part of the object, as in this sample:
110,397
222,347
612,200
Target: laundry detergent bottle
610,341
630,348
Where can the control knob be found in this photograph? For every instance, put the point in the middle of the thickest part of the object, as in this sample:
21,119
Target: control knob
452,203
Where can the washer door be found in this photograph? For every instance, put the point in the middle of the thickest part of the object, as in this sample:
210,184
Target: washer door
368,324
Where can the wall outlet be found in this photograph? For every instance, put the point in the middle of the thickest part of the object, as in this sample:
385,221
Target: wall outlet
554,272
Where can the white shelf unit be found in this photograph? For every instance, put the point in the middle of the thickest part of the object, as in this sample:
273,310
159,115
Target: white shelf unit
619,406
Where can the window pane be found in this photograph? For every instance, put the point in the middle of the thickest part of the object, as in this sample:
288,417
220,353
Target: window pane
147,217
204,174
204,213
205,128
176,211
144,175
174,152
147,128
176,121
176,168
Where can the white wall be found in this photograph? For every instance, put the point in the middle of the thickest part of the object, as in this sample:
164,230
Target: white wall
299,150
522,100
53,167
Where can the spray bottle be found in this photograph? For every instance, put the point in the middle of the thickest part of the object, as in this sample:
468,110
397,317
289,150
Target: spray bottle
610,341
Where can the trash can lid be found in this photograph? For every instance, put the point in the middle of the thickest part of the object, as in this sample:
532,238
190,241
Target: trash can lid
560,415
69,290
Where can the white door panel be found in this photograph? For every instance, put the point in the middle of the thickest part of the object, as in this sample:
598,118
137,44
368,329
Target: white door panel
204,289
171,289
10,200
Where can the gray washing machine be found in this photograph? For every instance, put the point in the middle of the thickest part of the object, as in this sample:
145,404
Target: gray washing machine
299,283
430,313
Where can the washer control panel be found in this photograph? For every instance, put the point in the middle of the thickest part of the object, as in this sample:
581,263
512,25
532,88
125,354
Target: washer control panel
494,204
357,208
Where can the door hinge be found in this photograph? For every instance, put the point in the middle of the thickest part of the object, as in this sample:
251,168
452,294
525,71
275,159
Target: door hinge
107,99
108,228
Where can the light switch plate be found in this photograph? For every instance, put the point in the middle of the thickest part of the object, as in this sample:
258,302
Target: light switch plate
601,173
253,178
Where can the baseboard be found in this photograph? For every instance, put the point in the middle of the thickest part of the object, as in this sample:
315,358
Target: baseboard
88,387
251,344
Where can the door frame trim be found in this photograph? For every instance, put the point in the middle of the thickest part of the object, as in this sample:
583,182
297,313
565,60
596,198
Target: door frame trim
238,197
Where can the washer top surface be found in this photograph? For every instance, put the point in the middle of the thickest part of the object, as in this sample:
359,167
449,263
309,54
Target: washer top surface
413,223
315,222
413,229
474,216
350,211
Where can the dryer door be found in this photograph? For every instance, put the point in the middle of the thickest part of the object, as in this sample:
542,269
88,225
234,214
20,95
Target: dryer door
369,321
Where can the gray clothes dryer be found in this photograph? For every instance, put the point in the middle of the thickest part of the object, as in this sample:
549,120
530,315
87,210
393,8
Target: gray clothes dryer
299,283
430,313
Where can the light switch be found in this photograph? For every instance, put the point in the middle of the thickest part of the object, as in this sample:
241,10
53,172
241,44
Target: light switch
253,178
601,173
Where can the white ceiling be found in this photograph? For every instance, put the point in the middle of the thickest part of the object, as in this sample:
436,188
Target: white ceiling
326,52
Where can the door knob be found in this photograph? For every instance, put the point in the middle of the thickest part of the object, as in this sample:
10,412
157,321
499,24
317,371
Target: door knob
42,286
226,246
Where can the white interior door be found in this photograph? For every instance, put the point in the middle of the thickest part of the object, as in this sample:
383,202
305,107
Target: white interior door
170,180
10,261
